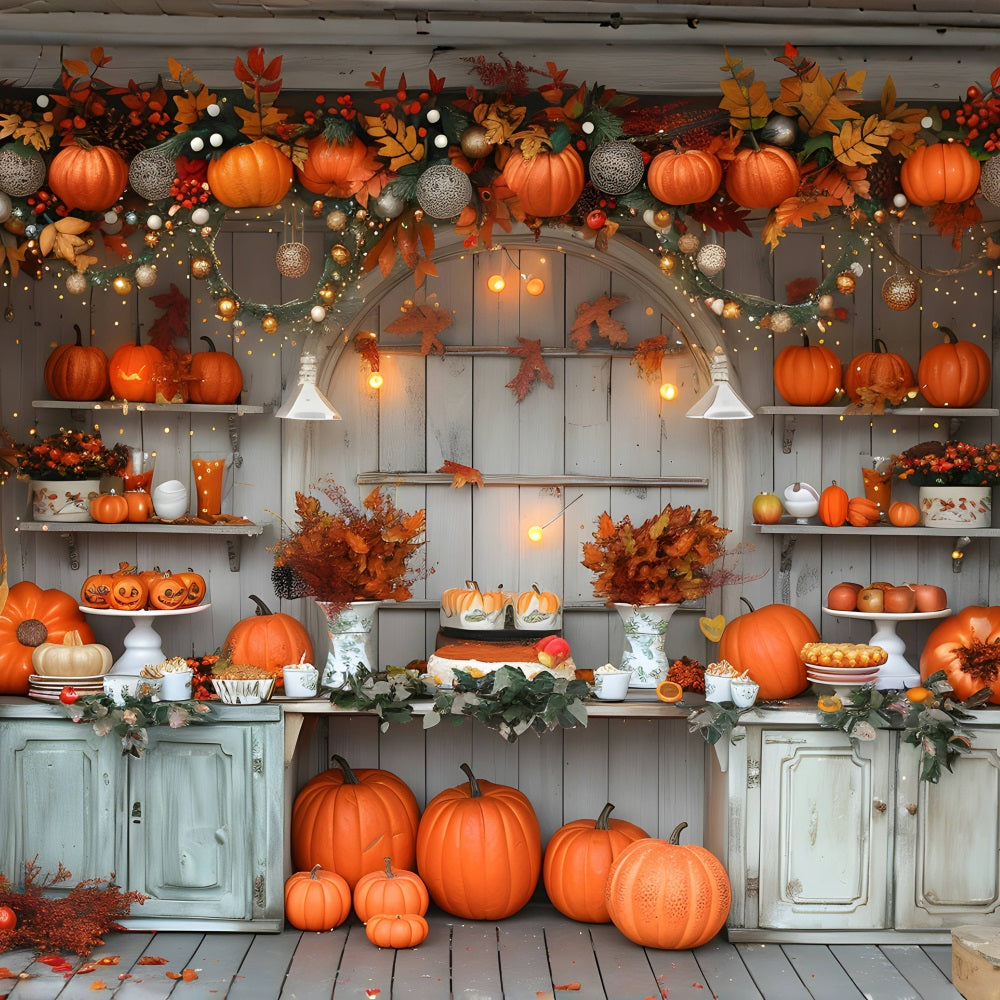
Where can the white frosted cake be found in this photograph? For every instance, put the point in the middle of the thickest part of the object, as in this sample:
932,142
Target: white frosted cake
479,658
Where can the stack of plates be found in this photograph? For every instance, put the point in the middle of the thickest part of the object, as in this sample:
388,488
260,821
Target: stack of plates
841,676
48,688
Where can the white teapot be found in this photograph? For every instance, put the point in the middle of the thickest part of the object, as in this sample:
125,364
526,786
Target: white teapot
801,501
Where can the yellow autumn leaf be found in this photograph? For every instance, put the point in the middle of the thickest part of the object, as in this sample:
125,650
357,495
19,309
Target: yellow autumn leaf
532,140
862,142
748,105
61,228
35,135
819,106
500,120
8,124
397,142
256,126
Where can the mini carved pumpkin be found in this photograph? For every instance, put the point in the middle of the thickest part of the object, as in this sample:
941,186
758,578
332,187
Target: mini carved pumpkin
954,373
546,184
888,373
215,377
96,590
389,891
944,172
664,895
473,823
128,593
76,371
132,371
195,584
762,178
255,174
317,900
88,177
833,505
270,641
29,617
109,508
578,858
396,930
684,176
903,514
806,374
337,170
966,647
167,594
862,512
71,658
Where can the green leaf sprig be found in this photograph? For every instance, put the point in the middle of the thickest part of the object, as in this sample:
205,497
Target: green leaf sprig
716,721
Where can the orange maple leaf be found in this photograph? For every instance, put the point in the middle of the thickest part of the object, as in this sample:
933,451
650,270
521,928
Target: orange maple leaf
532,367
599,313
648,355
793,212
426,319
461,474
953,219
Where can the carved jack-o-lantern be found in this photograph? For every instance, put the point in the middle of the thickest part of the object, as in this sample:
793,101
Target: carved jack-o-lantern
128,593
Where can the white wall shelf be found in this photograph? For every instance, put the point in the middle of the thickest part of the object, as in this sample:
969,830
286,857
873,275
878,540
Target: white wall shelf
124,406
445,479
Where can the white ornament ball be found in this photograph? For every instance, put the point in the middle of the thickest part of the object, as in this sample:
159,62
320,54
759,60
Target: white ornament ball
440,140
616,167
443,191
42,101
216,140
434,116
197,144
76,283
825,303
780,321
200,216
292,259
900,292
587,128
989,180
6,206
857,269
22,170
900,200
711,259
146,275
213,111
317,314
151,173
154,222
388,204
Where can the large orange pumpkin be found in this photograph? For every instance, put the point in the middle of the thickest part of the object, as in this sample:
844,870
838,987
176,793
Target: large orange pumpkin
268,640
886,371
807,374
954,373
337,170
762,178
578,858
254,174
767,643
91,178
945,172
390,891
317,900
966,647
833,503
29,617
76,371
132,371
479,849
216,377
349,821
547,184
684,176
664,895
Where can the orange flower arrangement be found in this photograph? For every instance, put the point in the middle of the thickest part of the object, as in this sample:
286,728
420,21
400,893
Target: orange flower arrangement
66,455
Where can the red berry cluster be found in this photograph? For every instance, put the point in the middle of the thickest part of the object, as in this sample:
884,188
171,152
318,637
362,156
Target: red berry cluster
189,192
979,113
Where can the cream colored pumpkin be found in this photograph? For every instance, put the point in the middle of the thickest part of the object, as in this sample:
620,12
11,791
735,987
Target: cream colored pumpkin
71,658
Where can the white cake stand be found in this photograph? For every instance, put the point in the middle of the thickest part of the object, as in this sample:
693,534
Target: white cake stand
142,643
896,672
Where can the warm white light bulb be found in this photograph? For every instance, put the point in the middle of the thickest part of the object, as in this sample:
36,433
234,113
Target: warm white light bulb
375,380
535,533
495,283
668,391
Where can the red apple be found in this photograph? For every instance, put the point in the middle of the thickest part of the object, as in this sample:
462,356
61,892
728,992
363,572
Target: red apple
766,509
929,597
843,597
870,599
552,650
899,600
68,695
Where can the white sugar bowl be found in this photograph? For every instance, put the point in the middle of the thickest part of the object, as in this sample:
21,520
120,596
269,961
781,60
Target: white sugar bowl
801,501
170,500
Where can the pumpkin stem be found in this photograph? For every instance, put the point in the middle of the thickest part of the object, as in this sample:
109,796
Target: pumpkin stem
209,341
949,335
262,609
750,607
350,777
474,791
534,587
880,347
79,335
602,820
805,339
72,638
675,837
389,873
312,874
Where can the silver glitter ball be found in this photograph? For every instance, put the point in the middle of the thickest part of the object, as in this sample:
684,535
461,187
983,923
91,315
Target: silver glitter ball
389,205
989,180
151,173
616,167
443,191
711,259
22,170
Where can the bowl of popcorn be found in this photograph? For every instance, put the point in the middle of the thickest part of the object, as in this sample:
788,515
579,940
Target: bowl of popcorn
243,684
718,681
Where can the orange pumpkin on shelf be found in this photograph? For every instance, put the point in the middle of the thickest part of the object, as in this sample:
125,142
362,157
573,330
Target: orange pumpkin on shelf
945,172
390,891
807,374
396,930
167,594
762,178
132,371
253,175
317,900
546,184
888,372
128,593
954,373
684,176
337,169
268,640
109,508
88,177
76,371
96,590
833,504
862,512
215,377
195,584
966,647
903,515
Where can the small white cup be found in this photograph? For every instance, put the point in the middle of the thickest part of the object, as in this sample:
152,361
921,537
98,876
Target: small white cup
718,687
120,685
744,692
175,685
612,687
301,681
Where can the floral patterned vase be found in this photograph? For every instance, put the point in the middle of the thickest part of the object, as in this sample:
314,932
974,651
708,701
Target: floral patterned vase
956,506
645,651
353,633
62,499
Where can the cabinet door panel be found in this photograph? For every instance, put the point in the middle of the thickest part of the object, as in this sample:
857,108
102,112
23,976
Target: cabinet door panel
824,842
947,836
57,799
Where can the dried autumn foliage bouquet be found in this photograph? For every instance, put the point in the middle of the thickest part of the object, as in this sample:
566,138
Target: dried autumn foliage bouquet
662,561
351,554
951,463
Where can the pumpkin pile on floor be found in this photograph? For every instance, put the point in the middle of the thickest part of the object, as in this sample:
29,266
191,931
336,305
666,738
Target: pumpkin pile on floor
358,839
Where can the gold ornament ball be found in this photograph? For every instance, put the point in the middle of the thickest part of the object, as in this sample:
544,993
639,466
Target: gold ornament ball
201,267
688,243
151,239
336,220
879,215
846,283
328,295
317,208
76,283
361,214
206,231
668,263
900,292
269,323
227,307
825,303
340,253
662,219
731,310
122,285
474,143
780,321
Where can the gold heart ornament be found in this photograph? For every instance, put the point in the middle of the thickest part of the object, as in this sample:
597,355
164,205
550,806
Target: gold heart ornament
712,628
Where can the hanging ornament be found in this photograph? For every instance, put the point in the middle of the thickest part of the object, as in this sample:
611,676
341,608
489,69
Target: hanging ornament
22,170
616,167
989,181
269,323
317,314
731,310
76,283
237,328
6,206
227,307
900,292
443,191
846,283
780,130
201,266
8,314
857,269
151,239
336,220
317,208
711,259
825,303
122,284
340,253
151,172
474,142
716,305
292,257
780,321
389,204
668,263
328,295
146,275
200,216
688,243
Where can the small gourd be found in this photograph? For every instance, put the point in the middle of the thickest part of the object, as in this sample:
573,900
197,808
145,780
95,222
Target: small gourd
109,508
862,512
390,891
833,505
71,658
903,514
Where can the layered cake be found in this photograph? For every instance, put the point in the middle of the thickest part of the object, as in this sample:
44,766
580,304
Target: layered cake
479,658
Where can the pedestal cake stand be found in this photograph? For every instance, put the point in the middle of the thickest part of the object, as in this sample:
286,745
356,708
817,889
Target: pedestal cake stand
142,643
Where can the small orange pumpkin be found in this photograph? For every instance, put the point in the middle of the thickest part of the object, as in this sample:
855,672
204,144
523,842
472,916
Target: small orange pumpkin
945,172
76,371
399,930
882,369
389,891
684,176
167,594
833,503
335,169
807,374
762,178
109,508
317,900
195,584
535,599
954,373
96,590
471,602
862,512
91,178
255,174
128,593
216,377
903,514
546,184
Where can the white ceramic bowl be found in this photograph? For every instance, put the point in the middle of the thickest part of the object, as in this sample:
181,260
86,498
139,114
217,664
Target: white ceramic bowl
169,505
233,692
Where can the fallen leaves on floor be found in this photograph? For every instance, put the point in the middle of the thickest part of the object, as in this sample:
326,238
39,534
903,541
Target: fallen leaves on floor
151,960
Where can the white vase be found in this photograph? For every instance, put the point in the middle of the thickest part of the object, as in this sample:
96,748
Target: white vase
62,499
955,506
353,633
645,652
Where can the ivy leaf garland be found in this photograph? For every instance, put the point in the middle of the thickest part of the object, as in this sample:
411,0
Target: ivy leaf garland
715,721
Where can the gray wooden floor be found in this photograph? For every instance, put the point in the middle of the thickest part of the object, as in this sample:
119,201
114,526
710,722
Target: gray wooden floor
527,957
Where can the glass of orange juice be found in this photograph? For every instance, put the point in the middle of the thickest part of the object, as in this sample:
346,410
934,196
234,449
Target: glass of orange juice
138,473
209,470
876,475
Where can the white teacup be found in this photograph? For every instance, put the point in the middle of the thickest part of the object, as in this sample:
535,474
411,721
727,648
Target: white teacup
301,681
744,692
718,687
132,685
175,685
612,686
